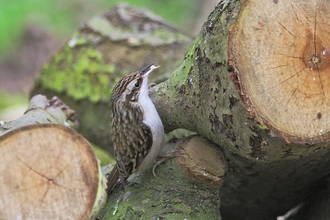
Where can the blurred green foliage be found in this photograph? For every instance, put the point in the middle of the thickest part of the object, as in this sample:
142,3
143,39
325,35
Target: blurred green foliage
8,99
61,17
12,105
104,156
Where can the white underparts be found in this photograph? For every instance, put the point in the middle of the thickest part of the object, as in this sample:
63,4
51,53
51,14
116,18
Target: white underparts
151,119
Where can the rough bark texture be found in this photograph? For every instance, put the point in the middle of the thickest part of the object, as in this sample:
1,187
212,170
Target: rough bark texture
179,191
43,111
267,176
123,40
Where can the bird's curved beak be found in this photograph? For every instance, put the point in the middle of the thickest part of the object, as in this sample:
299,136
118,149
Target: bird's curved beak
148,70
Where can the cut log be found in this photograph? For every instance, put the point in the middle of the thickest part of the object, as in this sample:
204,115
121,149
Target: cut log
267,109
280,54
202,160
48,171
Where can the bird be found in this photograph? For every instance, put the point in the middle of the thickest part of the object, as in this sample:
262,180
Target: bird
137,131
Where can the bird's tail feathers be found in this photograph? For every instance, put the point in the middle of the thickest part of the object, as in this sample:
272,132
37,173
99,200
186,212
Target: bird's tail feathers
113,178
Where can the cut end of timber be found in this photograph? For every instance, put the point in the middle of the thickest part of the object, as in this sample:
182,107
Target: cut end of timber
48,171
203,161
279,51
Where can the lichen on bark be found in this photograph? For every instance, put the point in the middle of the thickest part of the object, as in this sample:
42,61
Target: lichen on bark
201,86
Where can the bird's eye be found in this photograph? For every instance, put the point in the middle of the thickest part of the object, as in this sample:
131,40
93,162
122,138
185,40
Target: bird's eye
137,84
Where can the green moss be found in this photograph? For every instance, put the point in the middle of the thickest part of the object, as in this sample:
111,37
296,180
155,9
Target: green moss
86,76
104,27
180,75
161,36
169,196
263,127
157,36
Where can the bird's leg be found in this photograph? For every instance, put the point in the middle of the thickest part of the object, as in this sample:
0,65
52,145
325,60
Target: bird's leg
122,181
176,153
179,152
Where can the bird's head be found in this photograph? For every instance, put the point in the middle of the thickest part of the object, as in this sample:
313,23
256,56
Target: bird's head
133,86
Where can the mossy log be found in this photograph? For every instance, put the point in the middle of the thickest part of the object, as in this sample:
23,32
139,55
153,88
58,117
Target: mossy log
255,81
185,187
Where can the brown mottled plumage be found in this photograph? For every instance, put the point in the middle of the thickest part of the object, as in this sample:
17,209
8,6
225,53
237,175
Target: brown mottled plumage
136,128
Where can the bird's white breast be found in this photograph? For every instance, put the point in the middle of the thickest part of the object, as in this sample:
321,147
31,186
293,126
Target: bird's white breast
152,119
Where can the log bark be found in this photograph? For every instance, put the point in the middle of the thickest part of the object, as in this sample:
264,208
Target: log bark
241,61
43,111
185,187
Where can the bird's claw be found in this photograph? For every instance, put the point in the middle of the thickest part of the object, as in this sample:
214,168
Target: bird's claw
151,85
176,153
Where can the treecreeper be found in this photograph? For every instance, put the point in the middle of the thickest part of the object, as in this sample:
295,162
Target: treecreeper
136,129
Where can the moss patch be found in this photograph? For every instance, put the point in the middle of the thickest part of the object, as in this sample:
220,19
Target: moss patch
81,73
169,196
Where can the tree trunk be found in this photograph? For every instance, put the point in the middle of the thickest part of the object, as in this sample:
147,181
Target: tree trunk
267,108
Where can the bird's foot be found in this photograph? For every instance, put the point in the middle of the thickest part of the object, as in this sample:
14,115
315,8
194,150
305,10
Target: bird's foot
176,153
151,85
